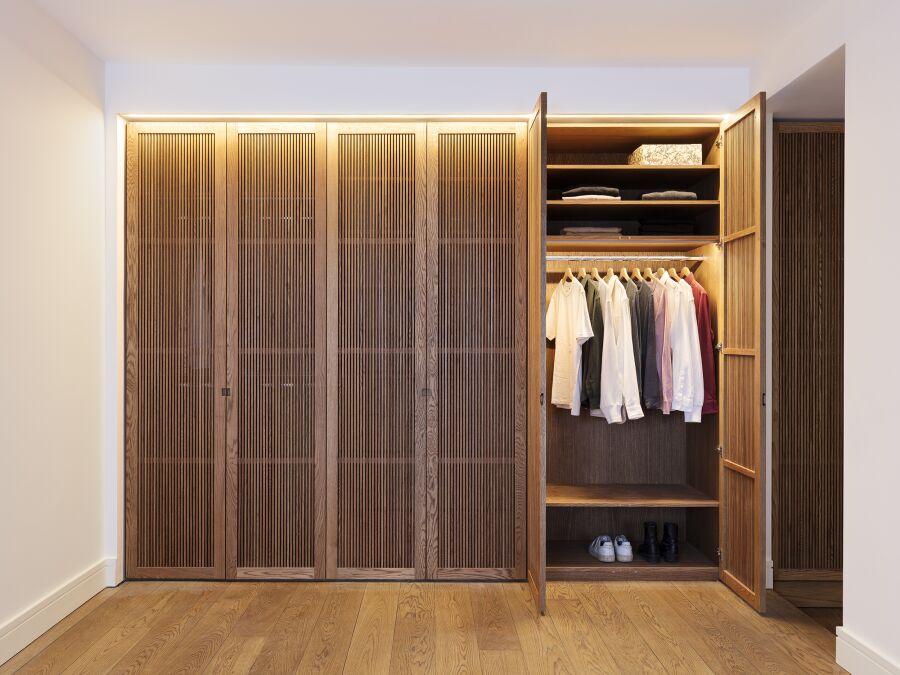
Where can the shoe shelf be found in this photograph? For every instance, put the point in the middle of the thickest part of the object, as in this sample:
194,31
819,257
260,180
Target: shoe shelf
570,561
628,496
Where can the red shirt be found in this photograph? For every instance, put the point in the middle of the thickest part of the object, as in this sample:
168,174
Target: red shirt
707,340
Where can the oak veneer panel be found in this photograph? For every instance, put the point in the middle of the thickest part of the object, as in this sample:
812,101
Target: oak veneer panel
175,350
569,243
476,360
536,418
626,136
741,420
625,495
276,350
376,371
807,337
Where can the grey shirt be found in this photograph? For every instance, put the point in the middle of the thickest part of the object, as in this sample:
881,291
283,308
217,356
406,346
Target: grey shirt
592,350
632,293
648,375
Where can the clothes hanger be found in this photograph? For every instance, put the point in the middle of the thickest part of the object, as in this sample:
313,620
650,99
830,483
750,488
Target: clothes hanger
582,273
636,274
685,271
673,274
610,273
660,272
648,274
623,274
595,274
568,275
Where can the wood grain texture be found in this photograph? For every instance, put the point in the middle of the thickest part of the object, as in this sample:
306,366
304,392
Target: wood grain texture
536,418
807,347
741,361
570,561
475,492
175,350
334,627
376,347
628,495
276,351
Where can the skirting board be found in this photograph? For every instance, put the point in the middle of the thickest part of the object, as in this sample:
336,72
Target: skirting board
857,657
22,630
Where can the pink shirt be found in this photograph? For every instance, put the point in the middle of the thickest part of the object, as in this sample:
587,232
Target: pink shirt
663,347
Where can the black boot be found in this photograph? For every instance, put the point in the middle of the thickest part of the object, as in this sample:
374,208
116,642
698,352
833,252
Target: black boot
669,545
649,550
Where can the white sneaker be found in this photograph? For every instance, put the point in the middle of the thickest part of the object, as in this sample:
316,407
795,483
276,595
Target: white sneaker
623,549
602,549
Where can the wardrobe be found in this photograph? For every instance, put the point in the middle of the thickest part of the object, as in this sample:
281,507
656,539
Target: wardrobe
336,363
325,350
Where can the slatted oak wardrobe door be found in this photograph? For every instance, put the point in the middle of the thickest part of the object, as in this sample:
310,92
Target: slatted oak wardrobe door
537,360
742,511
175,351
476,350
376,350
275,489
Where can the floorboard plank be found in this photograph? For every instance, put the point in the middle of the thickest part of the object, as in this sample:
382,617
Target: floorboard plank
170,627
795,621
198,647
63,651
47,638
326,651
502,661
456,639
493,623
660,629
283,649
543,649
413,647
578,630
373,635
628,648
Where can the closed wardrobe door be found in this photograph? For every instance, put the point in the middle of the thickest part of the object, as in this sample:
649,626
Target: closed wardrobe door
175,355
476,350
376,350
275,410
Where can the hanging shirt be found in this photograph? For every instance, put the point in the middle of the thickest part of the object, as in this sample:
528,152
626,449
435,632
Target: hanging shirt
619,397
593,348
707,340
687,368
648,374
663,348
569,325
631,290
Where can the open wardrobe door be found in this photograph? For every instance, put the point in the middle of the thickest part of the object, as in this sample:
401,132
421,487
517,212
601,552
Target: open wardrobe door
536,419
742,512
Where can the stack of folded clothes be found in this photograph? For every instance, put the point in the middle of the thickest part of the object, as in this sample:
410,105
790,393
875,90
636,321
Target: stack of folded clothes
669,194
591,192
595,228
580,231
666,226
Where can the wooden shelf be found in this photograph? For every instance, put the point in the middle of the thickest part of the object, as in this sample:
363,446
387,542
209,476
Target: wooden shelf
607,135
628,496
670,243
632,208
570,561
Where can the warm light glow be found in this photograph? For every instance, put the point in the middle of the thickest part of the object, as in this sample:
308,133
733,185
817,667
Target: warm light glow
174,117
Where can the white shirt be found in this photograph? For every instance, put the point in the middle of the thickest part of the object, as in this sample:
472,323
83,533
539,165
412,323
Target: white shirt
619,394
569,324
687,367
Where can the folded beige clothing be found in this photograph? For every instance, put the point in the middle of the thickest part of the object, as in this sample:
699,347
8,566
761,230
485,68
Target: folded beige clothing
578,198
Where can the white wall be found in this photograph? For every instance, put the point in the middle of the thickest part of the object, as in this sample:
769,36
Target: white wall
52,554
868,641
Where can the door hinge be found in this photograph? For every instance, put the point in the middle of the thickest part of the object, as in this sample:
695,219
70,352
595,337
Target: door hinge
719,346
718,553
226,391
719,450
719,141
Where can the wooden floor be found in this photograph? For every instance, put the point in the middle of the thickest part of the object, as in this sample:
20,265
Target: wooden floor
613,627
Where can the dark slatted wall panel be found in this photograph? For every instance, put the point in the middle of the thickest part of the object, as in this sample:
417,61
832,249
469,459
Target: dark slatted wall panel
808,319
276,377
480,343
377,278
171,280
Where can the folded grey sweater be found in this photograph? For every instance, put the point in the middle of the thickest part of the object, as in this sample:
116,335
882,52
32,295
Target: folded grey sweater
669,194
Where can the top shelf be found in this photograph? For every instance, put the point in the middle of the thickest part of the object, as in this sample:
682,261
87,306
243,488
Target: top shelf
613,137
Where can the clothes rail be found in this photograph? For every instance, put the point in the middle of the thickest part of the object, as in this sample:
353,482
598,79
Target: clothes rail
626,257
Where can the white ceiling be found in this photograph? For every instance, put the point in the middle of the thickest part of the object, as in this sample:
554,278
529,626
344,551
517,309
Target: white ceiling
817,94
426,32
